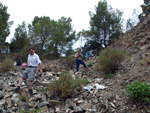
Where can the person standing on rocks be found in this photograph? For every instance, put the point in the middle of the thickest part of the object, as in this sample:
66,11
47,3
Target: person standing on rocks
79,60
32,64
88,51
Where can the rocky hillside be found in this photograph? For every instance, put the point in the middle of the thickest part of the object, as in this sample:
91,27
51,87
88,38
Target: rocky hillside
99,95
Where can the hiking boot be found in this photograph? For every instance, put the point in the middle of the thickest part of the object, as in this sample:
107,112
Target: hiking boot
17,90
30,91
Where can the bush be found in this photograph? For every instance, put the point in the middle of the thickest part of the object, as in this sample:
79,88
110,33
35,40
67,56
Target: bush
105,76
89,64
80,81
139,90
38,110
70,60
63,87
110,59
21,55
6,65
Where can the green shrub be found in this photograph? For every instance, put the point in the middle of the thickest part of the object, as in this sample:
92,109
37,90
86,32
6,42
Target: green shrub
21,55
105,76
70,60
80,81
139,90
63,87
110,59
89,64
38,110
6,65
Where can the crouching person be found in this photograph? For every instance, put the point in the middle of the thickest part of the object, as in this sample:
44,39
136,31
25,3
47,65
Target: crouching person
32,64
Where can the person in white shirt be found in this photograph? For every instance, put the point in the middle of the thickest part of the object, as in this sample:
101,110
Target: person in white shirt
32,64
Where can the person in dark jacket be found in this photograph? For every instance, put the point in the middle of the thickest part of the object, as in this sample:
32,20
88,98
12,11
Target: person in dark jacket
88,51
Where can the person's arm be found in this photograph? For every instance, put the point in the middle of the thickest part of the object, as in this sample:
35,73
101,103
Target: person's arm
27,63
41,65
76,56
26,66
81,55
90,48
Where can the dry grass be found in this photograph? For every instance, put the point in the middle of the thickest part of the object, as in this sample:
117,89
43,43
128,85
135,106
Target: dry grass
6,65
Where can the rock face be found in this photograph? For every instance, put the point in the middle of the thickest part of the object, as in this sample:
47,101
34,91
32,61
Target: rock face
99,95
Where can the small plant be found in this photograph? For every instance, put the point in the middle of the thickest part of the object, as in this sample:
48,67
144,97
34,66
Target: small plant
63,87
109,75
41,90
89,64
6,65
139,90
38,110
24,96
70,60
80,81
110,59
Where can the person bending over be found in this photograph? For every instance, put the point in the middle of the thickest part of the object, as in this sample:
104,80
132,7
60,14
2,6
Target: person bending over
88,51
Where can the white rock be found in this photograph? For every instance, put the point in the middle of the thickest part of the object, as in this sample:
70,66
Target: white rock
15,98
88,88
99,86
57,109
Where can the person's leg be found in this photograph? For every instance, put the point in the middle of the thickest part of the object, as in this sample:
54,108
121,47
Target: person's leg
31,77
77,65
86,54
20,81
30,87
81,62
90,52
30,84
24,75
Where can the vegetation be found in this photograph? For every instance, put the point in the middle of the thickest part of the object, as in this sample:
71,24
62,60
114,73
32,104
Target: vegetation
105,24
139,90
20,40
4,26
38,110
70,60
21,55
89,64
110,59
63,87
145,8
105,76
6,65
51,37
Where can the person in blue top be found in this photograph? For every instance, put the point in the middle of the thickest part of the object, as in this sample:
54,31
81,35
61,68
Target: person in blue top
88,51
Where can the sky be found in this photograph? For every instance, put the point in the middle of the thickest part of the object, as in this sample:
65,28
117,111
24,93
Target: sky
77,10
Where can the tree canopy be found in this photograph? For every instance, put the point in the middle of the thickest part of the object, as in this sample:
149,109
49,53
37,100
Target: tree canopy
51,37
145,8
20,39
105,24
4,25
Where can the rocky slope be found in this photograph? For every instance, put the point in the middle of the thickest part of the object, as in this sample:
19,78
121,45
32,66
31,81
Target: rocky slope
103,95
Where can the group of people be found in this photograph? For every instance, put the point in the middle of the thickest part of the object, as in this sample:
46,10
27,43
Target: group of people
79,57
34,61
